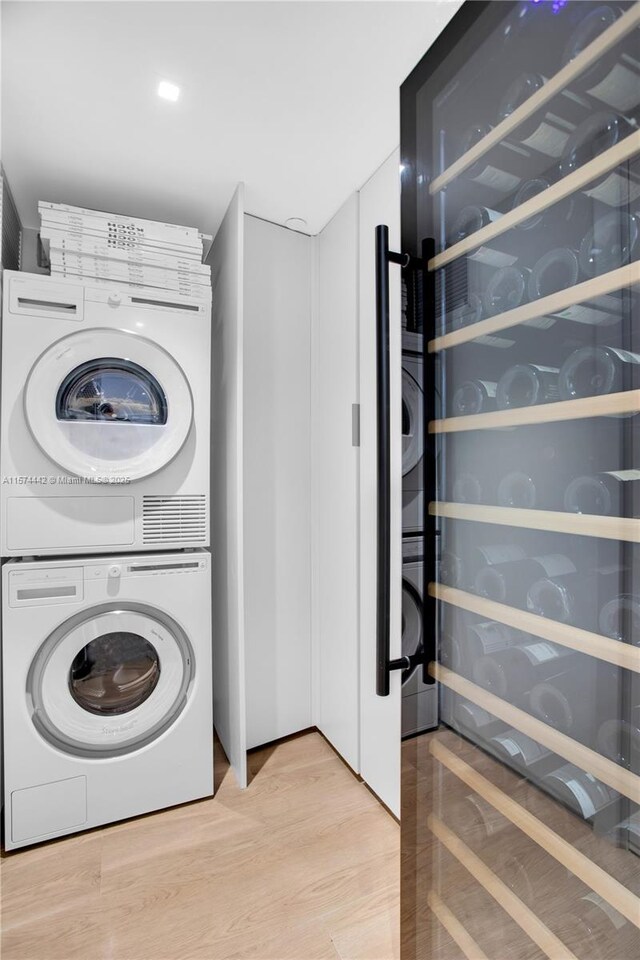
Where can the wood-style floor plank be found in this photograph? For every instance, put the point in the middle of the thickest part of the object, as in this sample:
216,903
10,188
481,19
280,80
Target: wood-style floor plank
303,865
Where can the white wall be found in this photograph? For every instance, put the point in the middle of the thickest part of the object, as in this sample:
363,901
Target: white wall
334,466
277,479
229,711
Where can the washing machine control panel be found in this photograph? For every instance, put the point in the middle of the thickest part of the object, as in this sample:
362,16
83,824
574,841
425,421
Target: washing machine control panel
51,585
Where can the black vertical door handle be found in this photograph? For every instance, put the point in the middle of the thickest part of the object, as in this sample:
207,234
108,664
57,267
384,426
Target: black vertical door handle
383,407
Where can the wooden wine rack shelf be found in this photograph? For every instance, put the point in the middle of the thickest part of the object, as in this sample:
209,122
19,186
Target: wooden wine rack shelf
615,776
454,928
555,521
602,164
601,882
526,919
593,644
623,277
590,55
607,406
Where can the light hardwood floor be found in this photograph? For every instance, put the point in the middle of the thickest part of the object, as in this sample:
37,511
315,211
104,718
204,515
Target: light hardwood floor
303,865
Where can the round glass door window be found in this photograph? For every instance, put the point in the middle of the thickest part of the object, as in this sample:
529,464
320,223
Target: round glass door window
111,390
108,404
114,673
109,680
411,423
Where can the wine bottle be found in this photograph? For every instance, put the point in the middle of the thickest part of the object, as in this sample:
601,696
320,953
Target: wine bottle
564,703
611,242
470,311
517,489
556,270
498,169
526,385
580,791
527,191
452,570
596,371
486,556
573,597
512,672
619,740
615,493
491,637
470,220
544,130
505,291
467,488
517,748
614,78
474,396
627,833
509,582
620,619
597,134
458,572
539,488
574,209
478,723
466,313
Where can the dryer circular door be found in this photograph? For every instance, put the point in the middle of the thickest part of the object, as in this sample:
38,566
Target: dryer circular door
110,679
106,404
411,628
412,423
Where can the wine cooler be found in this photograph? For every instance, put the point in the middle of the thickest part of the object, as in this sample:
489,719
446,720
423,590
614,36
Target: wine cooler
520,150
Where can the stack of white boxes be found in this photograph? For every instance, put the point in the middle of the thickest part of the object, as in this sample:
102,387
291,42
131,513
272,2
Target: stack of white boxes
107,249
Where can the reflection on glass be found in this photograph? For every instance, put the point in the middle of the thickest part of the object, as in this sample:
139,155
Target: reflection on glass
534,343
114,673
111,390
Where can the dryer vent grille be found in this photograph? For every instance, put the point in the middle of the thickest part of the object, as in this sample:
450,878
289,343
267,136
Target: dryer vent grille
174,519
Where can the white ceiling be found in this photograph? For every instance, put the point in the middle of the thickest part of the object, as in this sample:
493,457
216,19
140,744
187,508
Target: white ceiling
297,99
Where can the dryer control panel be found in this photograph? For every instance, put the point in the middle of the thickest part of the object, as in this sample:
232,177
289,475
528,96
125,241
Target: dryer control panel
145,567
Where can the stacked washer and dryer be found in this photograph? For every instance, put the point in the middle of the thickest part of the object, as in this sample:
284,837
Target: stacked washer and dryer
106,586
419,700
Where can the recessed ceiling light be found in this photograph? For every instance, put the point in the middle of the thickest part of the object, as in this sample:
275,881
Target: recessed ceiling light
296,223
168,91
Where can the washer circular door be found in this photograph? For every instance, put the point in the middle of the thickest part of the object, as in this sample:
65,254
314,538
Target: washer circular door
110,679
412,423
411,629
107,403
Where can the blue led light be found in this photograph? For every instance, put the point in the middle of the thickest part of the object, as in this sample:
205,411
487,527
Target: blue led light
556,5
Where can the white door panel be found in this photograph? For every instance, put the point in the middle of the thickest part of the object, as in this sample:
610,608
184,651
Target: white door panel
229,693
335,496
277,480
380,717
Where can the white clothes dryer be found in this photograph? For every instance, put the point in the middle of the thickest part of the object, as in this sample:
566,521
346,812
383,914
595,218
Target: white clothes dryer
104,428
419,699
107,690
412,443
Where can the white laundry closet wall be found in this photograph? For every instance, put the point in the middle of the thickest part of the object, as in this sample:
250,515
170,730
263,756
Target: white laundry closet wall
294,557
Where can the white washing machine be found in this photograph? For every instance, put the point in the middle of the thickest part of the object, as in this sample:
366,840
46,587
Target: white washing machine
107,690
412,443
104,432
419,700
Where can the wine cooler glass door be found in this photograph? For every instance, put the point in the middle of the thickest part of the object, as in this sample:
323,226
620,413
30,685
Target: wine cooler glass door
520,151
